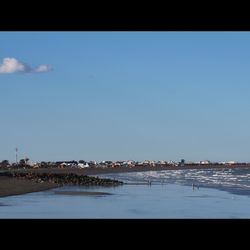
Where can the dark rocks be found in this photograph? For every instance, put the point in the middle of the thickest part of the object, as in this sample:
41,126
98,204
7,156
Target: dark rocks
70,179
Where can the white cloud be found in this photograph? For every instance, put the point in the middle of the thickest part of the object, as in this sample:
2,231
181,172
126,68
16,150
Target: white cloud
42,68
12,65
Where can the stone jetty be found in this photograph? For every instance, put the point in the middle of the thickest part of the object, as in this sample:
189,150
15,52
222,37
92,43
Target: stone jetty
65,179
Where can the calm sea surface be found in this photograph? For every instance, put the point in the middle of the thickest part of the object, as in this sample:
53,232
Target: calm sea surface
172,194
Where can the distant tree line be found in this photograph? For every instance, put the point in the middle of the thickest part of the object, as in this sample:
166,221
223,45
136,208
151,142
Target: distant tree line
21,164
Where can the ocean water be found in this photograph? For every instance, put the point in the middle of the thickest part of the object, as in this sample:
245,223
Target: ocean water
154,194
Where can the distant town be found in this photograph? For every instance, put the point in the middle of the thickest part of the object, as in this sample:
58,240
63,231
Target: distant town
27,163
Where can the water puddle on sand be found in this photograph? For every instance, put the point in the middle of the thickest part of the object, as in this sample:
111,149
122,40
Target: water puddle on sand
81,193
2,204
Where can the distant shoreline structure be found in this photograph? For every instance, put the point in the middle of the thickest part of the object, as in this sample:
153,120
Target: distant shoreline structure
128,164
107,170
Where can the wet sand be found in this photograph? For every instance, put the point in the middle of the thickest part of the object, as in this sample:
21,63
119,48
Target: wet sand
13,186
81,193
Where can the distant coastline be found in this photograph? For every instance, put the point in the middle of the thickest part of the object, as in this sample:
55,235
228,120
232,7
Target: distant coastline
108,170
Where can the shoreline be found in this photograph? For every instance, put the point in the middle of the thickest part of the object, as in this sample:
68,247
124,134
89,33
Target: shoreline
100,170
10,186
13,186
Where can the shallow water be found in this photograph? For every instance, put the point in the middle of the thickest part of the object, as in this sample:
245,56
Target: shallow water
235,181
170,195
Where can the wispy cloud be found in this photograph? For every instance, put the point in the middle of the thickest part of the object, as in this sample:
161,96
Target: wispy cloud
11,65
42,68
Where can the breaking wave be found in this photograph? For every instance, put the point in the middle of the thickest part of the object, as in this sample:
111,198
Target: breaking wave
236,181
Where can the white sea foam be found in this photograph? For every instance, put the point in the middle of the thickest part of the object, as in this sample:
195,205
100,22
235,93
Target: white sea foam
217,178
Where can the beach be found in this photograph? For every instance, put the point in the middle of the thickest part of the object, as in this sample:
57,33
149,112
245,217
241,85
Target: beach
183,193
15,186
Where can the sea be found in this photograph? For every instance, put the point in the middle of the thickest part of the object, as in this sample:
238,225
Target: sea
167,194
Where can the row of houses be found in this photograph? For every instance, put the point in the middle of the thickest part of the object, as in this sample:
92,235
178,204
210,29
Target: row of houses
81,164
110,164
131,163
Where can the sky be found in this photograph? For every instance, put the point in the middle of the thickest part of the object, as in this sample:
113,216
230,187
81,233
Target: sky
125,95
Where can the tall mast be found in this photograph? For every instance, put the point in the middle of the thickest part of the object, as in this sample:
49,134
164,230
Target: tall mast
16,154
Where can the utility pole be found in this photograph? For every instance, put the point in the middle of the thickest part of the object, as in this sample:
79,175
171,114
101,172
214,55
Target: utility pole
16,154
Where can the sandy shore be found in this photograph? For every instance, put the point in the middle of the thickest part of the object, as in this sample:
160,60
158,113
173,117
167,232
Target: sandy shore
14,186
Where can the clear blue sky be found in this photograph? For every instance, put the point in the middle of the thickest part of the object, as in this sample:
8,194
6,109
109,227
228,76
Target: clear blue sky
126,95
